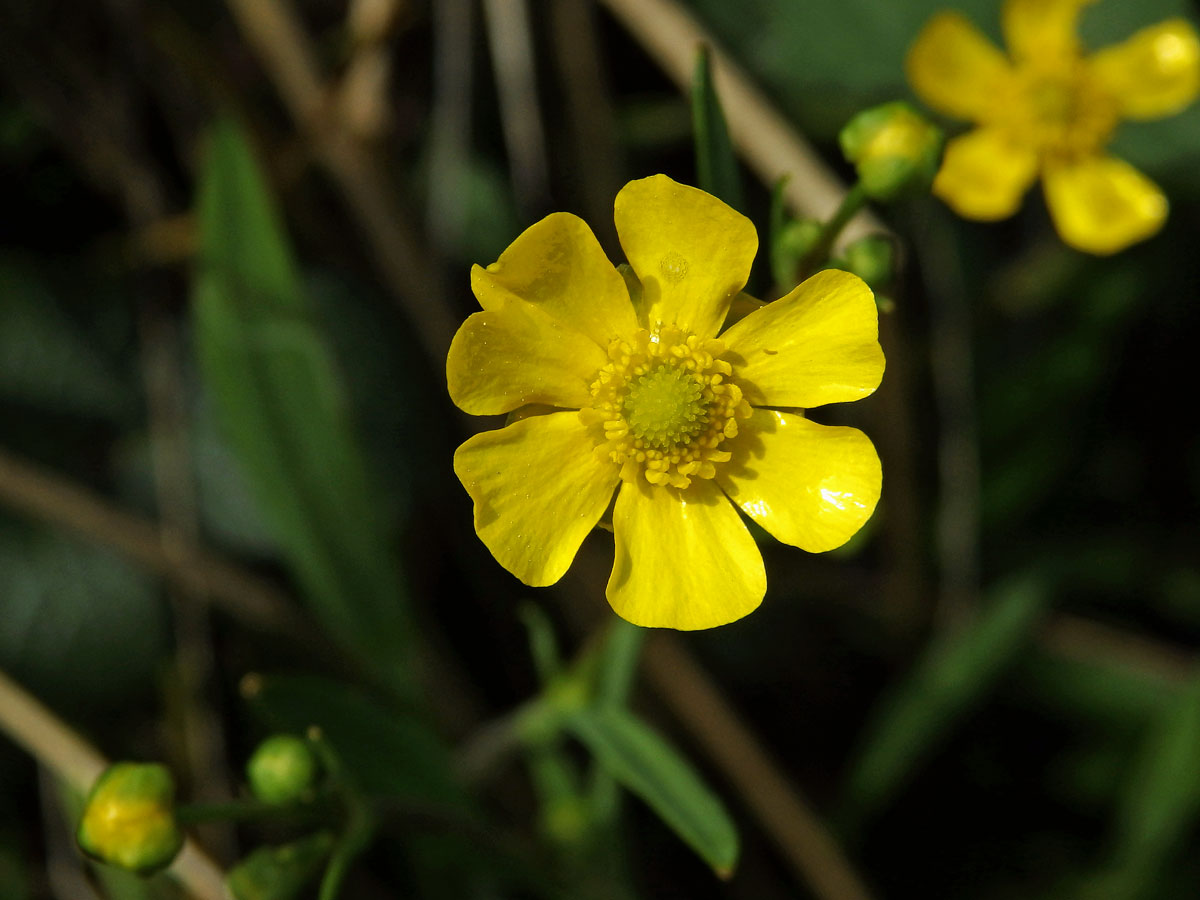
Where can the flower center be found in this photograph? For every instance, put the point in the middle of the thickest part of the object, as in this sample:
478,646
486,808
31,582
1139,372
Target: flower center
666,406
1061,111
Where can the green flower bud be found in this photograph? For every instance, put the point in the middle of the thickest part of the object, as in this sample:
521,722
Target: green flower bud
871,258
129,818
282,770
280,873
794,240
895,150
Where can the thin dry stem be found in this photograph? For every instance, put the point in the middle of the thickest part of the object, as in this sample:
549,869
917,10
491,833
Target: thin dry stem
764,138
73,760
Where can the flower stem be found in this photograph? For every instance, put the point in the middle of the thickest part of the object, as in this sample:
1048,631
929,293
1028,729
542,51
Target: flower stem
235,811
818,254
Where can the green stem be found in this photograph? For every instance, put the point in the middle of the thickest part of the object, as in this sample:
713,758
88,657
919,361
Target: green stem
238,811
360,826
818,254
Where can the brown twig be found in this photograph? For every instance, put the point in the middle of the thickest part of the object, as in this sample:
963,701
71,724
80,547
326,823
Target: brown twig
273,30
787,818
767,141
56,501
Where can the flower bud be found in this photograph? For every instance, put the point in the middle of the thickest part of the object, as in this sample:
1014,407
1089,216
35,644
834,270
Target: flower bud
871,258
789,246
894,149
282,770
129,818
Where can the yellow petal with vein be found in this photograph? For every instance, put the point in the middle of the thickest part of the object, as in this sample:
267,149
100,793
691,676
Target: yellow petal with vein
538,490
1103,205
817,345
955,69
1041,29
812,486
684,559
558,266
985,174
513,354
1155,73
691,252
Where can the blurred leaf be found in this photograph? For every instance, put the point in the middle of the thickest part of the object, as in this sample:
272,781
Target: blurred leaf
84,629
716,164
388,752
951,678
1104,694
280,399
653,770
280,872
45,358
1161,800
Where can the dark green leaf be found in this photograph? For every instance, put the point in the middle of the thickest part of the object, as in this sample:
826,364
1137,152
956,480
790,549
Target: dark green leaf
1161,799
653,770
280,400
716,164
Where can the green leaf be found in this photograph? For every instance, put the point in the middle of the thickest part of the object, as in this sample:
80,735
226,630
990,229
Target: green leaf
280,400
650,768
83,628
280,872
387,751
46,357
951,678
1161,800
716,164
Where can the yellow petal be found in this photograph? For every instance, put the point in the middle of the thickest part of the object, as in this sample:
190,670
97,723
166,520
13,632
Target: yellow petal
538,489
955,69
557,265
513,354
684,559
817,345
691,252
1041,29
1102,205
812,486
1154,73
985,174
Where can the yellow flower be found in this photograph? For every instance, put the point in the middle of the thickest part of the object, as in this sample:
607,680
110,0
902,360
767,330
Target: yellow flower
623,386
1047,108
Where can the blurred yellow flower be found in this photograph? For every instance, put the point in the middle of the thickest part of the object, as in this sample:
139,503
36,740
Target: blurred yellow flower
620,384
1047,108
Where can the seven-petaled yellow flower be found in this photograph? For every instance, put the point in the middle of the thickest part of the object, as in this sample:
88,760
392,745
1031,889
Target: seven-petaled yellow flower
1048,108
624,383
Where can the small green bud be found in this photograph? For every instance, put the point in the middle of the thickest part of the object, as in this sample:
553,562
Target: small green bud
280,873
790,245
871,258
282,770
129,818
895,150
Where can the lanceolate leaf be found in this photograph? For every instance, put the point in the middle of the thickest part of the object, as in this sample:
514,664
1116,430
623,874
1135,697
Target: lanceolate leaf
716,165
653,770
279,400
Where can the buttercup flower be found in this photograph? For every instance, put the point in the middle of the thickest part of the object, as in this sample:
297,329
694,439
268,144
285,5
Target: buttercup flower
621,384
1047,108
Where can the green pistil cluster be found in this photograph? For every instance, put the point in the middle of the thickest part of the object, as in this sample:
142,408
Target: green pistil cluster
665,407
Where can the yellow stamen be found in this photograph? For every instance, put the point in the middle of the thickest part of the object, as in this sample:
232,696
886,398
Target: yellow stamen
664,404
